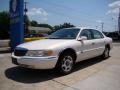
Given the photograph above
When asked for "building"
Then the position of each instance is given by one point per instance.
(38, 30)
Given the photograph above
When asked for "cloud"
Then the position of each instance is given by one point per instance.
(114, 9)
(38, 14)
(45, 19)
(99, 21)
(37, 11)
(115, 4)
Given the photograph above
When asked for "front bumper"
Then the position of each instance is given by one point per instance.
(35, 62)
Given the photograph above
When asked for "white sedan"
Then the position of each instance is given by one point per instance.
(63, 49)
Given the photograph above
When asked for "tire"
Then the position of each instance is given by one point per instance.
(65, 63)
(106, 53)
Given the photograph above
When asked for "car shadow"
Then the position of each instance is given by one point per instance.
(88, 62)
(25, 75)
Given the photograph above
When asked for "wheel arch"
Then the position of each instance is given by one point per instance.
(108, 46)
(68, 50)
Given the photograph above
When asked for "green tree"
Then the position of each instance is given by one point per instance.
(64, 25)
(46, 26)
(4, 25)
(34, 23)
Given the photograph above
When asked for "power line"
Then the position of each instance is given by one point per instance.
(65, 15)
(74, 10)
(69, 8)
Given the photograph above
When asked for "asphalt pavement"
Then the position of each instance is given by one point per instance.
(93, 74)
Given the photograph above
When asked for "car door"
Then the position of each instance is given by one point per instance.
(87, 46)
(99, 44)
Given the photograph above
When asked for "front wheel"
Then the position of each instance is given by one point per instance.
(65, 63)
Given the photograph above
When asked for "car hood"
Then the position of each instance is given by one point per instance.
(43, 44)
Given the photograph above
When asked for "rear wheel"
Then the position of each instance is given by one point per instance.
(106, 53)
(65, 63)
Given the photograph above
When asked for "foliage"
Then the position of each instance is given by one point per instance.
(64, 25)
(4, 25)
(46, 25)
(34, 23)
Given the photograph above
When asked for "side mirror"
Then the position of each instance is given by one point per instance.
(82, 38)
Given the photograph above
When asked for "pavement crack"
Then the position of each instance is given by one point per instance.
(64, 84)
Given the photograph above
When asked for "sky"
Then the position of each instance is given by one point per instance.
(85, 13)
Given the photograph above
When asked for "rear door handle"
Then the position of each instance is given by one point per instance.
(93, 43)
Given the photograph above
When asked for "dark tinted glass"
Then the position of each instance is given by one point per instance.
(87, 33)
(97, 34)
(65, 34)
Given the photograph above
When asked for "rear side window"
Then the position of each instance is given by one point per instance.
(97, 34)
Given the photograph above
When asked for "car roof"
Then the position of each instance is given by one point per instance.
(81, 28)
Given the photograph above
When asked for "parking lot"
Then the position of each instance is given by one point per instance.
(93, 74)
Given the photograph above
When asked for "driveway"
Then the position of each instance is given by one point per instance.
(93, 74)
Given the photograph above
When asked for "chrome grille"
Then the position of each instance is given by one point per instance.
(20, 52)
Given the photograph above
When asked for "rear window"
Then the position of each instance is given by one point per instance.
(97, 34)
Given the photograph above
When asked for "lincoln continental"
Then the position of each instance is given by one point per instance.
(62, 49)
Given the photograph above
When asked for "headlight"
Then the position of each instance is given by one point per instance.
(35, 53)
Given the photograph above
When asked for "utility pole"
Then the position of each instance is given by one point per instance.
(102, 26)
(25, 19)
(119, 22)
(96, 27)
(115, 27)
(119, 25)
(25, 9)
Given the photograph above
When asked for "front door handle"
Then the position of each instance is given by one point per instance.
(93, 43)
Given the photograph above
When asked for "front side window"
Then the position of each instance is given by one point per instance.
(87, 33)
(65, 34)
(97, 34)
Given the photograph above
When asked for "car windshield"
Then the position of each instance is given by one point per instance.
(64, 34)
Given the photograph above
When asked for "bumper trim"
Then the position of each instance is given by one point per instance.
(36, 62)
(14, 61)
